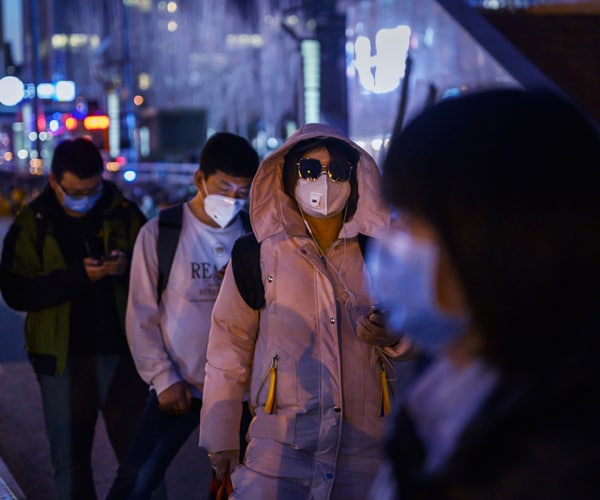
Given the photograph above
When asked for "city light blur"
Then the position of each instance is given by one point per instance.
(149, 81)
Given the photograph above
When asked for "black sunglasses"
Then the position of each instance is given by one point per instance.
(311, 168)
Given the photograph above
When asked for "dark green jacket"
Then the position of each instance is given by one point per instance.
(34, 277)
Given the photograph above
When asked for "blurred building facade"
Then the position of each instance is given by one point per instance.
(169, 73)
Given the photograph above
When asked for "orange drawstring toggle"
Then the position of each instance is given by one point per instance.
(385, 406)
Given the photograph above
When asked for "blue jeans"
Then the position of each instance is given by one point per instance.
(158, 438)
(72, 400)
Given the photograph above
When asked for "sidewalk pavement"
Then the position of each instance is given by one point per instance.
(9, 489)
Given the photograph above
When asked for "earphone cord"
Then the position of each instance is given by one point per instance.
(323, 260)
(350, 303)
(321, 252)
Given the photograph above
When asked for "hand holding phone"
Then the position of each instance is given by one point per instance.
(372, 329)
(115, 263)
(93, 268)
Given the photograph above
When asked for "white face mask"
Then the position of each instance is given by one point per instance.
(322, 197)
(222, 209)
(402, 270)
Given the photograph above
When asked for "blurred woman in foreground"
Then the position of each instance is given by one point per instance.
(497, 244)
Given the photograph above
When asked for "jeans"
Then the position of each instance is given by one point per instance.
(158, 438)
(71, 401)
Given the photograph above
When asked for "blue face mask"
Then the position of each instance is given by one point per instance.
(402, 270)
(81, 204)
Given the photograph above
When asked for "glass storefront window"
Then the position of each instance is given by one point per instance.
(444, 60)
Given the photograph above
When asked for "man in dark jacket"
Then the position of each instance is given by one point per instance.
(65, 261)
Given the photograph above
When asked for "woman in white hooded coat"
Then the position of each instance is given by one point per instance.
(320, 386)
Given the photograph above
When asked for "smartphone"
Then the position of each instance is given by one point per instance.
(377, 309)
(106, 258)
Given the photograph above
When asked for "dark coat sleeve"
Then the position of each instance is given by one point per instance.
(26, 290)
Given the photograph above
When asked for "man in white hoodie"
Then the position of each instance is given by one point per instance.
(168, 323)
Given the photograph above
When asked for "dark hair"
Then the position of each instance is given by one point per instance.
(229, 153)
(338, 150)
(79, 156)
(510, 180)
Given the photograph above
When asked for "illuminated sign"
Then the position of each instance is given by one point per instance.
(96, 122)
(382, 72)
(65, 91)
(114, 131)
(45, 91)
(142, 5)
(311, 65)
(70, 123)
(11, 90)
(62, 91)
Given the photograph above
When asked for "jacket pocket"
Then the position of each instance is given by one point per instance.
(47, 338)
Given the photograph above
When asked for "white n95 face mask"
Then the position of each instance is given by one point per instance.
(402, 270)
(222, 209)
(322, 197)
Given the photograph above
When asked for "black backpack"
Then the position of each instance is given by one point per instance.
(169, 229)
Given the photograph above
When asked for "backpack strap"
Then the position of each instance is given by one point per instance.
(169, 229)
(245, 218)
(245, 262)
(363, 241)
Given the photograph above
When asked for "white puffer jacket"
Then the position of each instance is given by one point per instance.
(326, 429)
